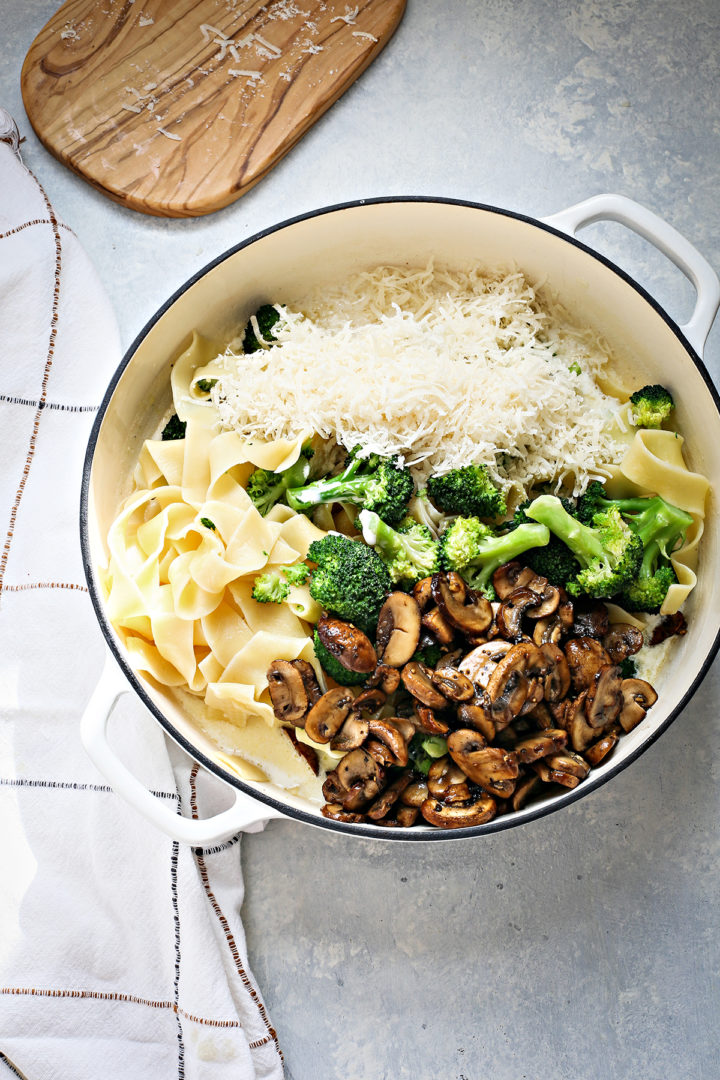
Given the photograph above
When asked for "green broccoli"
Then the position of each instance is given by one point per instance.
(428, 655)
(174, 429)
(375, 483)
(555, 561)
(267, 317)
(608, 551)
(410, 552)
(334, 668)
(350, 580)
(475, 551)
(467, 491)
(423, 749)
(628, 668)
(273, 586)
(660, 526)
(651, 405)
(267, 488)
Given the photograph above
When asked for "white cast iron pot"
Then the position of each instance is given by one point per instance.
(325, 246)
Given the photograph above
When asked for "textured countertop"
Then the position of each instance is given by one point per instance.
(584, 945)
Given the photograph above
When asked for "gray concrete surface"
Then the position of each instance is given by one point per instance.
(584, 946)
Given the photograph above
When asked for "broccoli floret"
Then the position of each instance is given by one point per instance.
(661, 528)
(609, 552)
(555, 561)
(273, 586)
(423, 749)
(267, 317)
(467, 491)
(375, 483)
(651, 405)
(428, 655)
(475, 551)
(266, 488)
(628, 668)
(334, 668)
(174, 429)
(205, 385)
(350, 580)
(410, 552)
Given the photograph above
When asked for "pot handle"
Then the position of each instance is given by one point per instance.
(243, 814)
(666, 239)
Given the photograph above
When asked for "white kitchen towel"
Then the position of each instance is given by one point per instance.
(122, 953)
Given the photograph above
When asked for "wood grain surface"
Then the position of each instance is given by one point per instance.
(177, 107)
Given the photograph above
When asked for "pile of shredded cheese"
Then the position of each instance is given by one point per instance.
(441, 368)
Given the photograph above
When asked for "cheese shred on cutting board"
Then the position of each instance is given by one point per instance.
(441, 368)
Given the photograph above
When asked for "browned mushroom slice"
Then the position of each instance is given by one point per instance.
(404, 725)
(600, 750)
(422, 591)
(381, 754)
(479, 664)
(559, 711)
(556, 683)
(548, 630)
(508, 685)
(511, 611)
(535, 695)
(526, 787)
(637, 697)
(622, 640)
(478, 714)
(511, 576)
(452, 684)
(328, 714)
(585, 657)
(566, 612)
(352, 734)
(332, 789)
(492, 767)
(416, 678)
(427, 722)
(436, 624)
(415, 794)
(567, 769)
(336, 813)
(540, 745)
(398, 629)
(309, 678)
(356, 767)
(382, 806)
(604, 697)
(287, 692)
(459, 815)
(540, 717)
(463, 608)
(404, 817)
(549, 603)
(387, 678)
(443, 776)
(389, 734)
(580, 732)
(303, 750)
(348, 645)
(370, 700)
(590, 619)
(668, 626)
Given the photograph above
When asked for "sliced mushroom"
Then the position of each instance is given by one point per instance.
(556, 683)
(463, 608)
(336, 813)
(370, 700)
(590, 619)
(585, 657)
(549, 603)
(417, 680)
(580, 732)
(309, 678)
(540, 717)
(436, 624)
(452, 684)
(328, 714)
(415, 794)
(303, 750)
(600, 750)
(404, 725)
(459, 815)
(422, 592)
(352, 734)
(479, 664)
(535, 694)
(477, 714)
(332, 789)
(548, 630)
(355, 767)
(443, 775)
(526, 786)
(287, 692)
(493, 768)
(398, 629)
(389, 734)
(540, 745)
(513, 607)
(511, 576)
(405, 816)
(508, 685)
(382, 806)
(348, 645)
(427, 722)
(604, 697)
(622, 640)
(637, 697)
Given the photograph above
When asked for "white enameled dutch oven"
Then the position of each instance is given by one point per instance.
(325, 246)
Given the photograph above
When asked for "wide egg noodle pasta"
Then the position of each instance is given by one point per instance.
(183, 556)
(655, 463)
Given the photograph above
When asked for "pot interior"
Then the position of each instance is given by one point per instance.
(321, 248)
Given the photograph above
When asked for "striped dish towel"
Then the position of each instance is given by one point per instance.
(122, 953)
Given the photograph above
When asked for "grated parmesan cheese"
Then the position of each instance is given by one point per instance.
(442, 368)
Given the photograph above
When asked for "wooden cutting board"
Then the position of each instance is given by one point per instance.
(177, 107)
